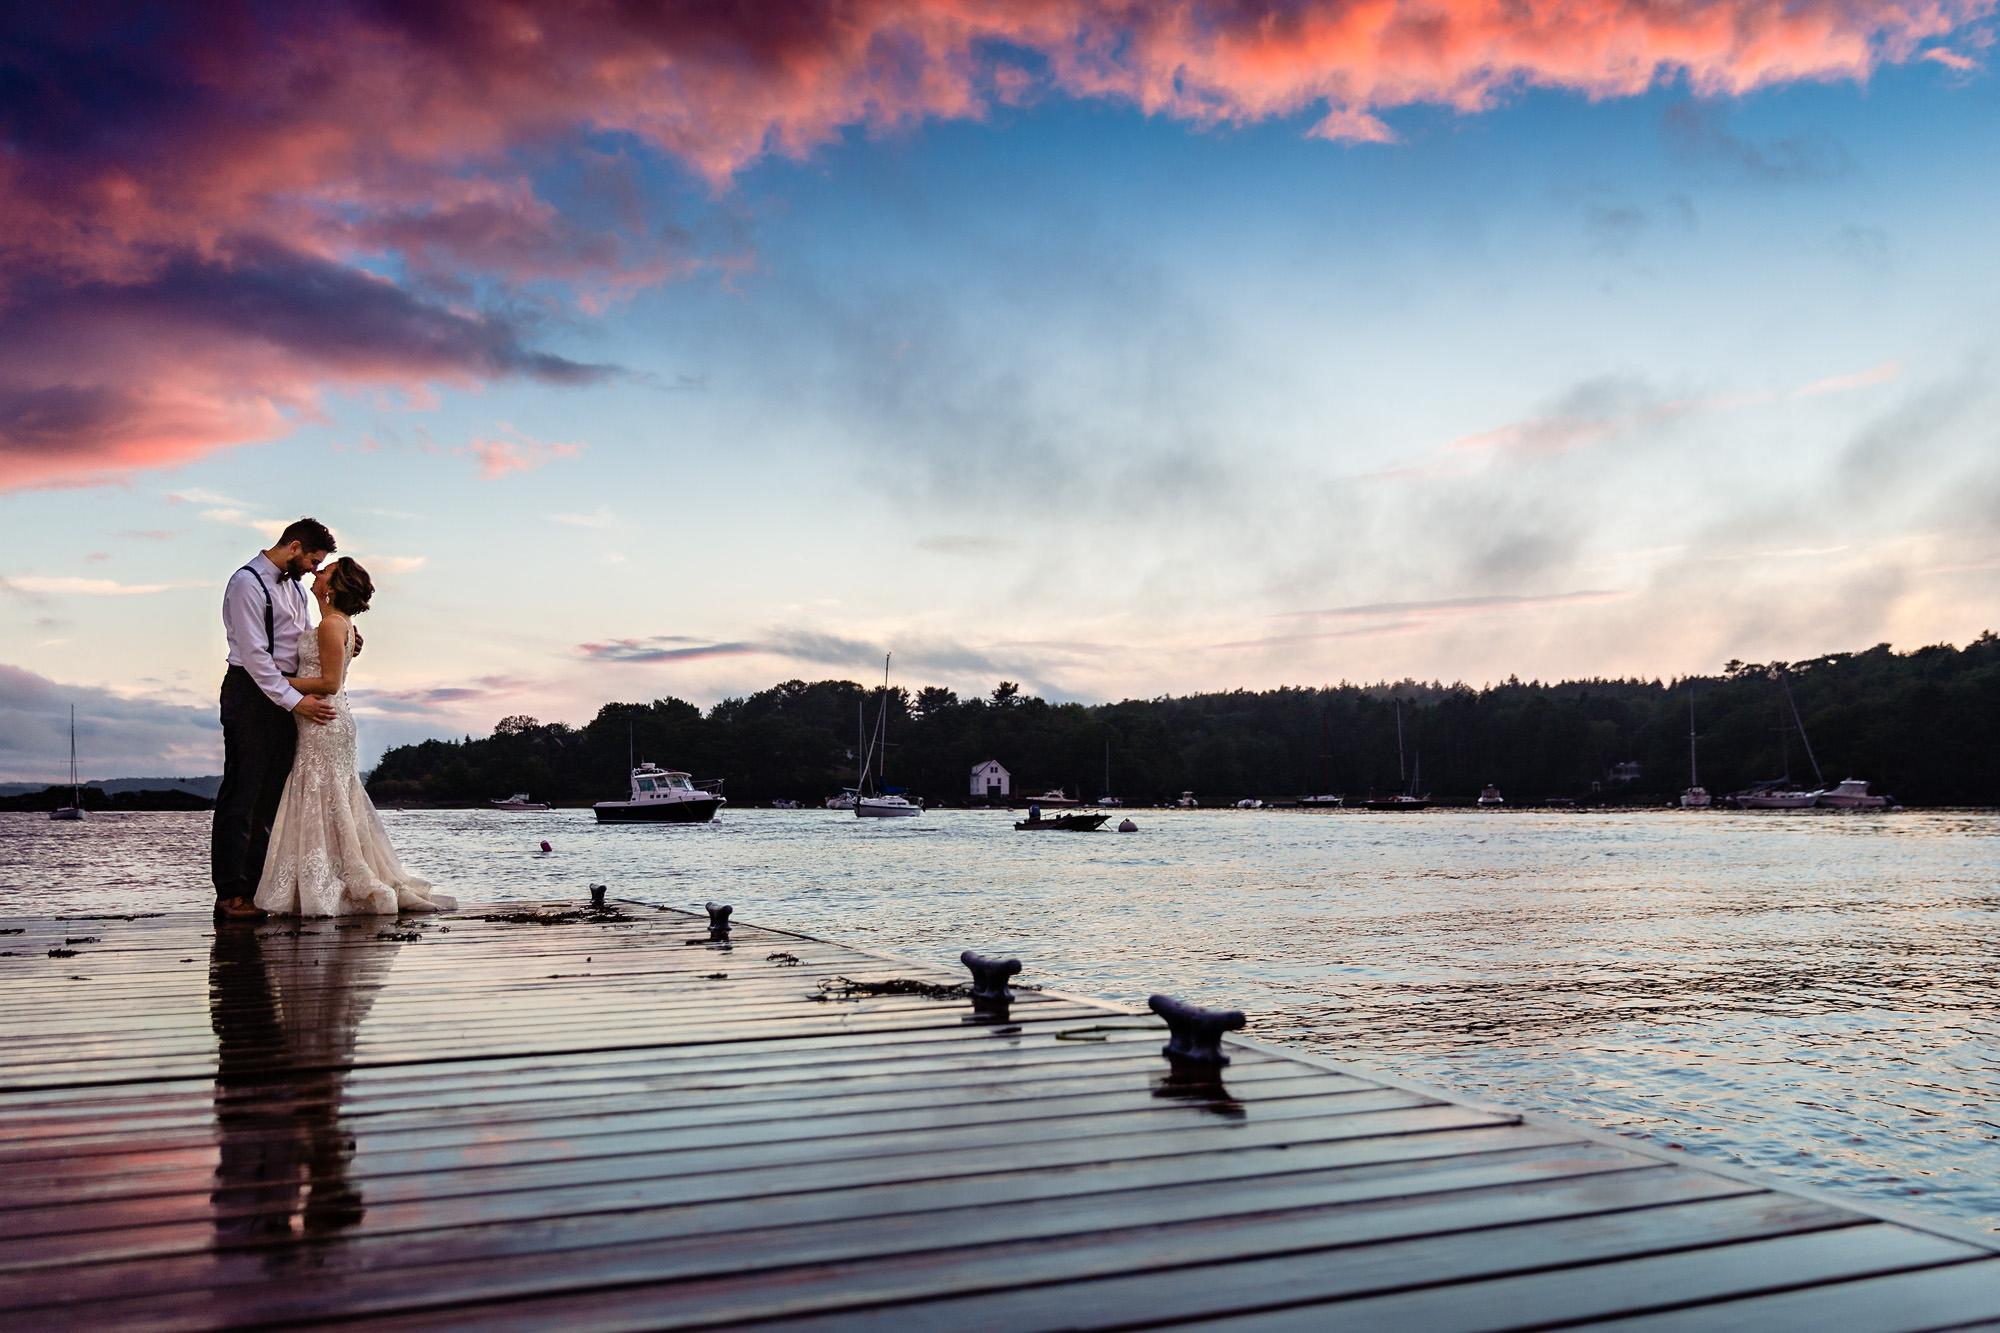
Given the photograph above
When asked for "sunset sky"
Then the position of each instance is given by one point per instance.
(1114, 349)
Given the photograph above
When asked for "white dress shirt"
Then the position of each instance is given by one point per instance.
(268, 662)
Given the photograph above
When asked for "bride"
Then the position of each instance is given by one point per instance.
(330, 855)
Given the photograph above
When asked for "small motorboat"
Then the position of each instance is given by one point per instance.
(661, 796)
(1490, 797)
(1696, 798)
(783, 804)
(1187, 801)
(1074, 822)
(1852, 794)
(519, 801)
(844, 801)
(1328, 801)
(1055, 796)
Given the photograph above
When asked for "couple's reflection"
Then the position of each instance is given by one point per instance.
(286, 1003)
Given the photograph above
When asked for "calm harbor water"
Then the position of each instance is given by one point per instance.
(1810, 996)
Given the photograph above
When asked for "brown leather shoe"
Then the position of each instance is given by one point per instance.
(239, 909)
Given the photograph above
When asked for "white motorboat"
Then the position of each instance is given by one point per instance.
(882, 801)
(844, 801)
(1249, 803)
(519, 801)
(1696, 798)
(1187, 801)
(74, 810)
(1489, 797)
(1852, 794)
(661, 796)
(1328, 801)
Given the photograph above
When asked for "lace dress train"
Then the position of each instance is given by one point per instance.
(330, 855)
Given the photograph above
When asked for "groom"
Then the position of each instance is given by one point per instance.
(263, 612)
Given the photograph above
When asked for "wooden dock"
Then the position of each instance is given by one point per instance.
(581, 1120)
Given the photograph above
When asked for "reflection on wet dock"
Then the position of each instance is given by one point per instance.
(569, 1118)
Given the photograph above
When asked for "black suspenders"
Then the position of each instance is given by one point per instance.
(270, 625)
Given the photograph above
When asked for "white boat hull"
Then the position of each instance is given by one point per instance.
(1695, 798)
(1786, 800)
(885, 807)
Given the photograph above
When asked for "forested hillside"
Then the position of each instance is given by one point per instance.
(1923, 725)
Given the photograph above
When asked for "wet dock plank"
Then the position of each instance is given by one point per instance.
(604, 1121)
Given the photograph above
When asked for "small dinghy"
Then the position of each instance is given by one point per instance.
(1070, 823)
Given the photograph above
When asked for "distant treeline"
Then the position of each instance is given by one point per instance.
(94, 798)
(1923, 726)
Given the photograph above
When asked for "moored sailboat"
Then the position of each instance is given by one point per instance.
(1407, 799)
(887, 802)
(74, 810)
(1696, 796)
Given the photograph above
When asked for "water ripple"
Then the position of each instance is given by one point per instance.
(1812, 997)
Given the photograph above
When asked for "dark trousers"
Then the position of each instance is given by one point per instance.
(258, 739)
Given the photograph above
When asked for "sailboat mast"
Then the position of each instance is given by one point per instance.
(75, 795)
(1402, 773)
(1325, 753)
(1784, 682)
(1694, 773)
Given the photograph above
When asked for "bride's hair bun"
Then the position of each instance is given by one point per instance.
(351, 587)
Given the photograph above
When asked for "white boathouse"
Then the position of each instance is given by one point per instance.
(992, 781)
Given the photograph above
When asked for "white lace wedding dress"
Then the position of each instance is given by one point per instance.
(330, 855)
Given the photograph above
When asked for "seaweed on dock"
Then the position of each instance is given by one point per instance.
(561, 916)
(846, 988)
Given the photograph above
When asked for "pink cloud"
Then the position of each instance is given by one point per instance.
(1950, 59)
(195, 201)
(503, 457)
(1860, 379)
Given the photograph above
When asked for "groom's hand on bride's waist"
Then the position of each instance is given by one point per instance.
(314, 708)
